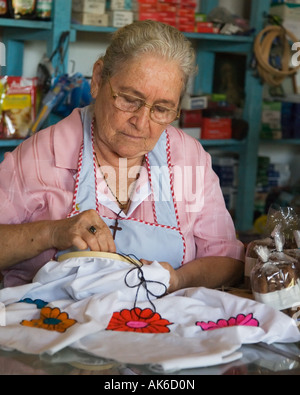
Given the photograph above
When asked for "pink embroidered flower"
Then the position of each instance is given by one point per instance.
(239, 320)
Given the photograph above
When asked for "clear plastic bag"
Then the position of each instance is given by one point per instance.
(275, 279)
(283, 219)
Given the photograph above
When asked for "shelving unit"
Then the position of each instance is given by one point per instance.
(15, 33)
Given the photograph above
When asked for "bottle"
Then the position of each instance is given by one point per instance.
(44, 9)
(4, 11)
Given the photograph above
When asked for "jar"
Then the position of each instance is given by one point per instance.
(23, 9)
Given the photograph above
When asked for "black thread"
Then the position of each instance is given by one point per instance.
(138, 266)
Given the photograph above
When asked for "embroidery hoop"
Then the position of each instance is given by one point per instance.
(97, 254)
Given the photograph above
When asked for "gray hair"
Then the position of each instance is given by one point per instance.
(149, 36)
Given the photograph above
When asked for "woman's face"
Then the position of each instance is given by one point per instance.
(131, 135)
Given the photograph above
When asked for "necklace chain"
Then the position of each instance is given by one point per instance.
(123, 206)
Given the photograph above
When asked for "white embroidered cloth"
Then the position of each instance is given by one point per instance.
(95, 304)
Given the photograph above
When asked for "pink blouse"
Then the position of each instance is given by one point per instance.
(37, 183)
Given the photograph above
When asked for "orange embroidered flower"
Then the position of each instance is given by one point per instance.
(51, 319)
(137, 320)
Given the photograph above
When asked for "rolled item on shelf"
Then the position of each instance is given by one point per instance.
(262, 49)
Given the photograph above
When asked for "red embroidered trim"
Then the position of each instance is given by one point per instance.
(152, 192)
(95, 167)
(74, 210)
(173, 193)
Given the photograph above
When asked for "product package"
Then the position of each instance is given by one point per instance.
(18, 106)
(251, 256)
(23, 9)
(4, 10)
(279, 219)
(44, 9)
(275, 279)
(67, 92)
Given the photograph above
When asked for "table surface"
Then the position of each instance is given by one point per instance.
(257, 359)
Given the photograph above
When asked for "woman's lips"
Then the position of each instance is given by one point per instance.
(130, 136)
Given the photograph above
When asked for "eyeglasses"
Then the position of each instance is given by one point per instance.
(129, 103)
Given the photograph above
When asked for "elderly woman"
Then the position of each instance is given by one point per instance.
(116, 177)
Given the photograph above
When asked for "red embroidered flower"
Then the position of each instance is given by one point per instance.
(241, 319)
(137, 320)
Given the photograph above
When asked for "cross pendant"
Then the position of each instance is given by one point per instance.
(115, 228)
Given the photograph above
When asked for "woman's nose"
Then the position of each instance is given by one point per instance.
(141, 118)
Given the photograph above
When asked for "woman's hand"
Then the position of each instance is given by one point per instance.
(74, 231)
(174, 275)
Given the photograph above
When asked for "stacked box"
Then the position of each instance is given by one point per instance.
(226, 169)
(206, 27)
(278, 175)
(262, 182)
(190, 118)
(120, 12)
(89, 12)
(296, 120)
(186, 16)
(194, 102)
(177, 13)
(287, 120)
(271, 120)
(271, 175)
(289, 14)
(216, 128)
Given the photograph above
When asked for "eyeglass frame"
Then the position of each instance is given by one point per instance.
(115, 94)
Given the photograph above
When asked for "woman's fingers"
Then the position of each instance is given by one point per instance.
(100, 238)
(85, 230)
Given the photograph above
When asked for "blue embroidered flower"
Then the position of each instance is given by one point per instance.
(38, 302)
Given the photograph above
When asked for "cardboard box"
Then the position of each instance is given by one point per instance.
(200, 28)
(163, 7)
(286, 11)
(147, 1)
(191, 118)
(216, 128)
(120, 18)
(142, 16)
(119, 5)
(194, 102)
(89, 6)
(84, 18)
(271, 120)
(290, 14)
(186, 27)
(200, 17)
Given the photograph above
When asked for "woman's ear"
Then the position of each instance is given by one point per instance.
(96, 78)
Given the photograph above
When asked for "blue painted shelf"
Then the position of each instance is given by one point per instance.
(8, 145)
(10, 142)
(281, 141)
(27, 24)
